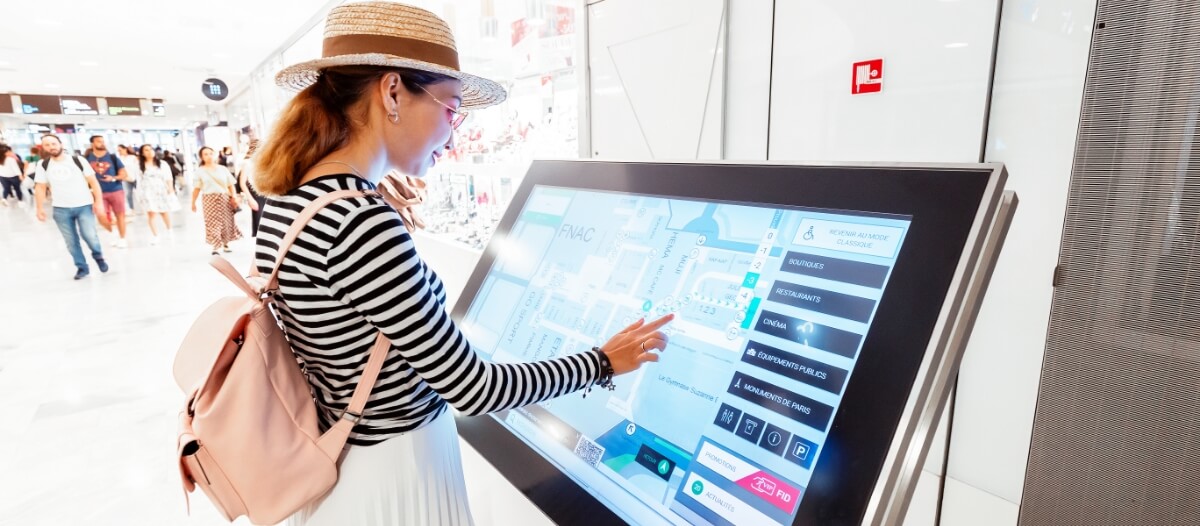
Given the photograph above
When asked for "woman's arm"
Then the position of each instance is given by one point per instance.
(373, 267)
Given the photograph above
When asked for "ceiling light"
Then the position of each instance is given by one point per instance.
(220, 55)
(47, 22)
(156, 88)
(89, 63)
(956, 45)
(53, 86)
(5, 63)
(191, 106)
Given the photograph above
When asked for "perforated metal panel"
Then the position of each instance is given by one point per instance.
(1116, 437)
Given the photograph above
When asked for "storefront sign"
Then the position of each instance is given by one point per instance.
(31, 104)
(215, 89)
(160, 109)
(79, 105)
(6, 105)
(118, 106)
(867, 77)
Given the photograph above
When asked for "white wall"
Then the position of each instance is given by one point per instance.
(1040, 67)
(657, 71)
(937, 67)
(748, 79)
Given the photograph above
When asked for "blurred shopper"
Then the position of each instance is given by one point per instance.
(130, 159)
(31, 162)
(110, 171)
(254, 200)
(226, 158)
(216, 184)
(156, 187)
(77, 201)
(11, 175)
(174, 164)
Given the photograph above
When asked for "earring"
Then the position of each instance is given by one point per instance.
(394, 117)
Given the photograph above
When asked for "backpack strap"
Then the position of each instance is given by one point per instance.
(78, 164)
(335, 438)
(305, 216)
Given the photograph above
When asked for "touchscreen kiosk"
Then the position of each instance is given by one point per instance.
(820, 312)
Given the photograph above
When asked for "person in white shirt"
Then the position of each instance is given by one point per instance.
(77, 201)
(10, 175)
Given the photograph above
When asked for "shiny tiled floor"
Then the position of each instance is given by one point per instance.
(87, 402)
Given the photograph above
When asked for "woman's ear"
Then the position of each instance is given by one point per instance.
(390, 91)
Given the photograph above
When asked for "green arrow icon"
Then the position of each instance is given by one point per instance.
(697, 488)
(664, 467)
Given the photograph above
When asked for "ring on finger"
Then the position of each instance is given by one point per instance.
(643, 346)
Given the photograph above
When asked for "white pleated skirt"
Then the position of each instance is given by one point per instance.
(413, 479)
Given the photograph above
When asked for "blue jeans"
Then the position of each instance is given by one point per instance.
(76, 222)
(129, 187)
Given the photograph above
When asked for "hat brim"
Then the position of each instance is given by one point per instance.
(477, 92)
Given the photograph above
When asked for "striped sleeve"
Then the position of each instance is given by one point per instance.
(374, 269)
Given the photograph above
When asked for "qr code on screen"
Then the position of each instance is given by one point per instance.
(589, 451)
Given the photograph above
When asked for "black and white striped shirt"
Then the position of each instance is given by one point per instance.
(354, 271)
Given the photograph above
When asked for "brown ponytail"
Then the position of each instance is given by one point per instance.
(319, 120)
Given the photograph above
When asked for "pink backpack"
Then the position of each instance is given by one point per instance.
(248, 435)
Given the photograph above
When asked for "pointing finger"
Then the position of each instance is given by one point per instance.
(655, 325)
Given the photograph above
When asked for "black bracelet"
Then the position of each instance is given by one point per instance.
(605, 381)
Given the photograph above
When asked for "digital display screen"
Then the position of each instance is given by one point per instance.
(31, 104)
(772, 308)
(124, 106)
(79, 105)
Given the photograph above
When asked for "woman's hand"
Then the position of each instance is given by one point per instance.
(193, 207)
(632, 347)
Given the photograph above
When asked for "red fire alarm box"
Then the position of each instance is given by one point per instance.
(867, 77)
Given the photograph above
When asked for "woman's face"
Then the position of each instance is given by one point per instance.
(206, 156)
(424, 131)
(147, 153)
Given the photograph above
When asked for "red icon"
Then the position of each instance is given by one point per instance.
(867, 77)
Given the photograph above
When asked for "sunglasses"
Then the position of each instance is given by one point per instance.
(456, 116)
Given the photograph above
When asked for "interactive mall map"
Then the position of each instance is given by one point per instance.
(772, 306)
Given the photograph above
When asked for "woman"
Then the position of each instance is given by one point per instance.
(216, 184)
(11, 175)
(367, 108)
(254, 200)
(130, 161)
(156, 190)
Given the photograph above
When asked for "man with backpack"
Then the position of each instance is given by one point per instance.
(110, 171)
(77, 201)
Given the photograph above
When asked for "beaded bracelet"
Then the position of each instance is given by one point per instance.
(606, 373)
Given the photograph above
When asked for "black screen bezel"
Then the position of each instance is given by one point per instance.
(943, 202)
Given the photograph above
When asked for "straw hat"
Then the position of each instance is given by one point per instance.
(389, 34)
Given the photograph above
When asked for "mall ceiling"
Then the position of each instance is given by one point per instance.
(144, 48)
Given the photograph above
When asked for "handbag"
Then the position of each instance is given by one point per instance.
(234, 204)
(249, 435)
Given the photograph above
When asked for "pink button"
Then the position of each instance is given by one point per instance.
(772, 490)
